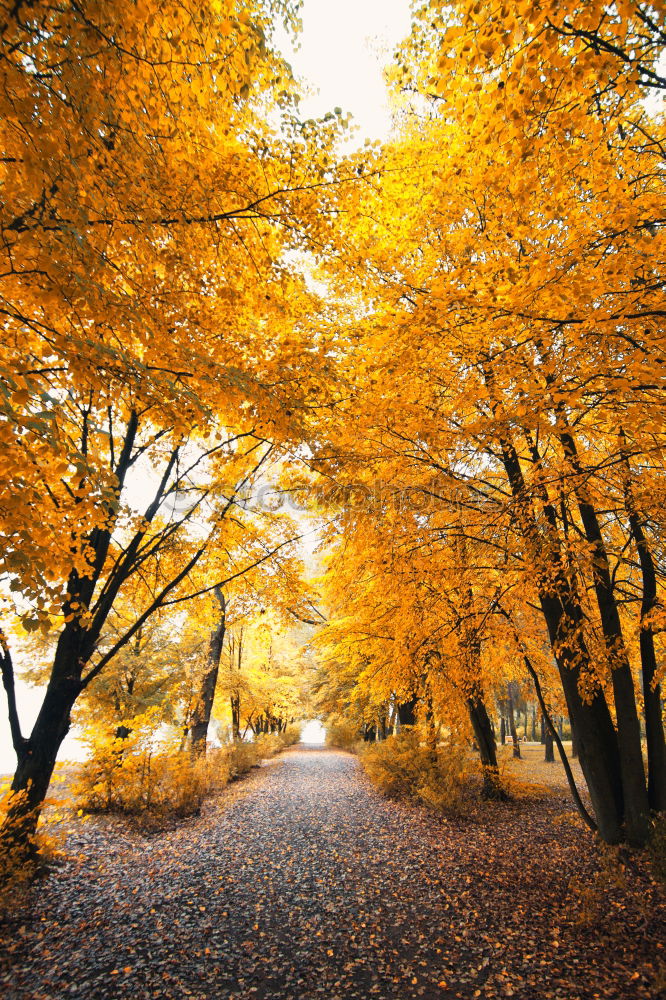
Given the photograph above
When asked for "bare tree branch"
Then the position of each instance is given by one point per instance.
(18, 740)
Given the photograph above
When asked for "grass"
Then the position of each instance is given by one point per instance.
(532, 769)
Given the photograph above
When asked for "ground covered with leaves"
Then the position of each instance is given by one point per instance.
(305, 883)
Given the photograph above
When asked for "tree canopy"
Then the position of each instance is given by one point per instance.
(451, 344)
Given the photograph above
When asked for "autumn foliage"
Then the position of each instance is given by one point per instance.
(476, 374)
(503, 392)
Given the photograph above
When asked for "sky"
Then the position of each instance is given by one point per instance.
(344, 45)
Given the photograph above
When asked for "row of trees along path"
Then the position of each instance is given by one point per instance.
(489, 338)
(308, 884)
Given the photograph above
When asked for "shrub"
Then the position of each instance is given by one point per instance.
(242, 757)
(268, 744)
(291, 735)
(396, 765)
(403, 766)
(344, 735)
(138, 774)
(182, 782)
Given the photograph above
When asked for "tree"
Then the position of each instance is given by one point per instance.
(206, 693)
(510, 333)
(275, 583)
(406, 629)
(151, 157)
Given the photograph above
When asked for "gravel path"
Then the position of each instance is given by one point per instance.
(309, 884)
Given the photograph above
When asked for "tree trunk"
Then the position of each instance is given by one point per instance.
(634, 787)
(654, 726)
(235, 715)
(598, 746)
(534, 735)
(38, 754)
(204, 707)
(547, 721)
(502, 730)
(407, 713)
(590, 719)
(431, 728)
(512, 720)
(549, 756)
(33, 776)
(485, 741)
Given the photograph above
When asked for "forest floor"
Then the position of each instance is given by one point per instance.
(301, 882)
(532, 768)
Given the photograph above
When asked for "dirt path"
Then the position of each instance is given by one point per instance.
(311, 885)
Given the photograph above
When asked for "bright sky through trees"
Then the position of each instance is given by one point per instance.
(344, 46)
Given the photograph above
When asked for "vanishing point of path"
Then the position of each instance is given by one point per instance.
(308, 884)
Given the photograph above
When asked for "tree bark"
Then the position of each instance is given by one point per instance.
(235, 715)
(512, 720)
(549, 755)
(204, 706)
(591, 720)
(634, 787)
(652, 711)
(38, 754)
(236, 660)
(485, 741)
(407, 712)
(599, 755)
(548, 723)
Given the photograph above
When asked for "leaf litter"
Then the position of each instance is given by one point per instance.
(306, 883)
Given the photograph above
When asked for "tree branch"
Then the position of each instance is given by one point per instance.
(18, 740)
(158, 602)
(575, 794)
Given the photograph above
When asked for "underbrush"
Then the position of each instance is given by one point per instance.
(403, 766)
(20, 865)
(142, 776)
(343, 735)
(291, 735)
(268, 744)
(132, 776)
